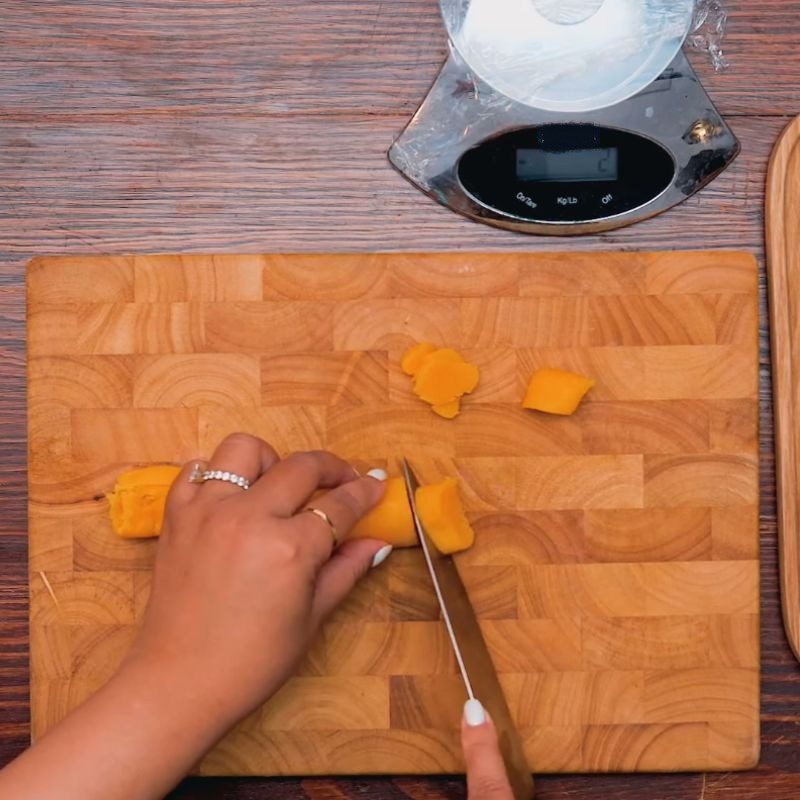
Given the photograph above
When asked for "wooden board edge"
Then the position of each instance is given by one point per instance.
(779, 285)
(632, 253)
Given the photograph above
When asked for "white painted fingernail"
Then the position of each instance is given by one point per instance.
(381, 555)
(474, 713)
(378, 474)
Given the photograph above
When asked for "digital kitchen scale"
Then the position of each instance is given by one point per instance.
(565, 117)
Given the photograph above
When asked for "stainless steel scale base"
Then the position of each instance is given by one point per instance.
(461, 111)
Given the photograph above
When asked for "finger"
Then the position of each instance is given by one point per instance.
(343, 506)
(183, 489)
(339, 576)
(289, 485)
(240, 454)
(486, 772)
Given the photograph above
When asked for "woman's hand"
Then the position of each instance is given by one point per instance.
(486, 772)
(243, 579)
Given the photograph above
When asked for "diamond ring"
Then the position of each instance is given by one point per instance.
(221, 475)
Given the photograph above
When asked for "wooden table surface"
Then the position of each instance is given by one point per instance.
(262, 126)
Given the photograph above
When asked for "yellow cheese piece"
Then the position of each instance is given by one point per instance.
(391, 520)
(556, 391)
(414, 357)
(441, 513)
(441, 377)
(136, 505)
(448, 410)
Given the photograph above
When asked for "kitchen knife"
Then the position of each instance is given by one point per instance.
(474, 662)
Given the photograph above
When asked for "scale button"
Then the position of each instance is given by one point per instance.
(606, 199)
(567, 200)
(528, 201)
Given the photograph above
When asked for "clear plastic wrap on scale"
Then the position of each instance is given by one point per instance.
(568, 55)
(579, 55)
(708, 30)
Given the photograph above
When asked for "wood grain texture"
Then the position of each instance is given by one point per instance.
(783, 208)
(625, 650)
(116, 143)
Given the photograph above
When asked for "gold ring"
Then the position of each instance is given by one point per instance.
(318, 512)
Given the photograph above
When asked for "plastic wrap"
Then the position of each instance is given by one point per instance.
(708, 30)
(579, 55)
(568, 55)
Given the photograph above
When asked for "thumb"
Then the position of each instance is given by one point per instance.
(486, 772)
(339, 575)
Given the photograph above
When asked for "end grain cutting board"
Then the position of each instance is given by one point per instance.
(616, 565)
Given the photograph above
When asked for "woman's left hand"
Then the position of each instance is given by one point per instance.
(243, 579)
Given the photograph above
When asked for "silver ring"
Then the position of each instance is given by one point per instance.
(227, 477)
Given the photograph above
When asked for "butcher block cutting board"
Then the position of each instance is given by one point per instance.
(616, 565)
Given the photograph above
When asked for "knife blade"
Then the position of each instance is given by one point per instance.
(474, 662)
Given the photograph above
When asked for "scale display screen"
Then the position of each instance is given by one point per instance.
(568, 166)
(566, 172)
